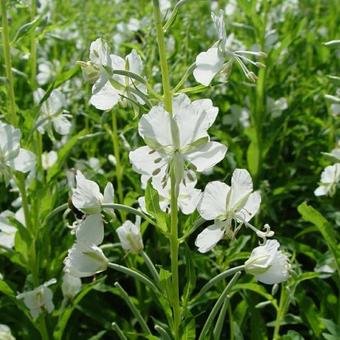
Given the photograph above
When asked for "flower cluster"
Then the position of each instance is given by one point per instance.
(107, 72)
(86, 258)
(213, 61)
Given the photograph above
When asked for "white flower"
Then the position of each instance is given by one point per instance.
(71, 286)
(211, 62)
(109, 89)
(223, 204)
(177, 138)
(330, 178)
(85, 260)
(11, 155)
(51, 112)
(48, 159)
(5, 333)
(7, 231)
(130, 236)
(39, 299)
(268, 264)
(87, 196)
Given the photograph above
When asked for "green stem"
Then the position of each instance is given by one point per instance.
(12, 115)
(129, 210)
(218, 278)
(151, 268)
(33, 58)
(280, 313)
(119, 170)
(142, 278)
(174, 242)
(124, 295)
(119, 331)
(162, 57)
(217, 306)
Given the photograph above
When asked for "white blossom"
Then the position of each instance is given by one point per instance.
(330, 177)
(5, 333)
(177, 139)
(85, 260)
(39, 299)
(211, 62)
(225, 204)
(108, 88)
(90, 230)
(71, 286)
(268, 264)
(11, 154)
(48, 159)
(7, 231)
(52, 112)
(130, 236)
(87, 196)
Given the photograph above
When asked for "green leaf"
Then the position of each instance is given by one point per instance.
(253, 154)
(26, 29)
(6, 289)
(310, 214)
(153, 208)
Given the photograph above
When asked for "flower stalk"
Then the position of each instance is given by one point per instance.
(12, 115)
(174, 242)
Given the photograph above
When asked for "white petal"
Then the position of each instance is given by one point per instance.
(87, 196)
(194, 120)
(241, 187)
(155, 127)
(99, 53)
(54, 103)
(208, 238)
(208, 64)
(207, 155)
(105, 98)
(135, 62)
(91, 230)
(84, 260)
(24, 162)
(48, 159)
(62, 125)
(9, 141)
(250, 208)
(146, 161)
(71, 286)
(188, 199)
(322, 190)
(108, 193)
(213, 203)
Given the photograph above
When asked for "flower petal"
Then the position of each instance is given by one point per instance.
(146, 161)
(91, 230)
(104, 98)
(208, 64)
(62, 125)
(241, 187)
(209, 237)
(24, 162)
(194, 120)
(207, 155)
(251, 207)
(213, 203)
(155, 127)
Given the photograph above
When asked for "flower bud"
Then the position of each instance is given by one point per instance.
(130, 236)
(268, 264)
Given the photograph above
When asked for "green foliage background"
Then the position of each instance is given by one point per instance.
(284, 155)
